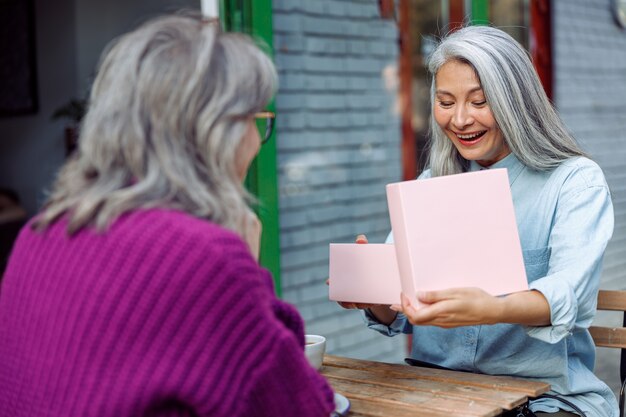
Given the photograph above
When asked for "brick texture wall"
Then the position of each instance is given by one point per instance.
(590, 87)
(338, 145)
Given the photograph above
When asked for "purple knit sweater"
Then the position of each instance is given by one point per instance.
(163, 315)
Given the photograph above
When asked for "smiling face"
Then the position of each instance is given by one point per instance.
(462, 112)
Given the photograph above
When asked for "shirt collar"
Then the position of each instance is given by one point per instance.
(510, 162)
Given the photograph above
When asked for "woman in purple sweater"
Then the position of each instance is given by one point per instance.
(136, 291)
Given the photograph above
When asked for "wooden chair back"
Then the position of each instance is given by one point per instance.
(613, 337)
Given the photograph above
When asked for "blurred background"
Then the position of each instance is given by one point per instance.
(352, 116)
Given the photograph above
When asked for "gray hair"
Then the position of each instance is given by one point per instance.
(167, 112)
(531, 127)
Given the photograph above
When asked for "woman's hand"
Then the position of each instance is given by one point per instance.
(452, 308)
(457, 307)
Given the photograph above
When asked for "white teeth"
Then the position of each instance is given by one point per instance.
(467, 137)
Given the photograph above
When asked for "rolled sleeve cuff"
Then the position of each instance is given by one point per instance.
(396, 327)
(563, 312)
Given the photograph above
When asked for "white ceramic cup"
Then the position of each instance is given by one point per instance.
(314, 348)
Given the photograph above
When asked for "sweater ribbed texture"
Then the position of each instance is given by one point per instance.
(163, 315)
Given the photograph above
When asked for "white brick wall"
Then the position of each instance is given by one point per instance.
(338, 145)
(590, 86)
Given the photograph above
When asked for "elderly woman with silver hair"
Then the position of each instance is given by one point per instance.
(490, 111)
(136, 291)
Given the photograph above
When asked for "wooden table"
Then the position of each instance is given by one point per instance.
(383, 389)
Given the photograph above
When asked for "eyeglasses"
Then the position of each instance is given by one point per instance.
(265, 123)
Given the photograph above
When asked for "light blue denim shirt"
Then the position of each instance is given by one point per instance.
(565, 220)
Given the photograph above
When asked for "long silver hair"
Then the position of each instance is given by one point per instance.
(167, 112)
(531, 127)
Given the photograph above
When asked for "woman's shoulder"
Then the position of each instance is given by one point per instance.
(581, 172)
(191, 241)
(176, 221)
(580, 162)
(177, 228)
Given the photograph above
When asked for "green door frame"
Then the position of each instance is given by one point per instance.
(480, 12)
(254, 17)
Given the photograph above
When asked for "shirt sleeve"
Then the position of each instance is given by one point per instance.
(582, 227)
(398, 326)
(283, 383)
(286, 385)
(246, 349)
